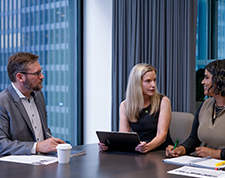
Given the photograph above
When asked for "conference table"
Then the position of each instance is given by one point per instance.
(95, 164)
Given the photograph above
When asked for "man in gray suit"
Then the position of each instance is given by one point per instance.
(23, 116)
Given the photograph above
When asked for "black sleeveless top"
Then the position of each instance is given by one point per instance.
(146, 126)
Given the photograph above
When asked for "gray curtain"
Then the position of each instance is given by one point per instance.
(161, 33)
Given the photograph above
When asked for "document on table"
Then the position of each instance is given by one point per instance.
(30, 159)
(194, 161)
(181, 160)
(46, 159)
(197, 172)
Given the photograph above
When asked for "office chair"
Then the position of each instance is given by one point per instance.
(181, 125)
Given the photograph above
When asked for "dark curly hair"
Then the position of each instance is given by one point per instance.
(217, 69)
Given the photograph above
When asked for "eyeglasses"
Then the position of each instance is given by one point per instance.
(36, 73)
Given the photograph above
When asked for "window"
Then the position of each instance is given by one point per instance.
(210, 38)
(44, 31)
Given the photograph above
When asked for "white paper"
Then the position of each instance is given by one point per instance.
(209, 163)
(194, 161)
(30, 159)
(197, 172)
(181, 160)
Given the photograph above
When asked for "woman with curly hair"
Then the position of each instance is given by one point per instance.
(209, 124)
(145, 110)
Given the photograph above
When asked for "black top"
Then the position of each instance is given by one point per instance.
(146, 126)
(193, 141)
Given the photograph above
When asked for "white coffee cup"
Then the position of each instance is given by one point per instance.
(63, 152)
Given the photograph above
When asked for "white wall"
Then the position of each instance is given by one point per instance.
(97, 67)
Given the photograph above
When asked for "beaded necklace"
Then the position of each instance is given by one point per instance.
(217, 110)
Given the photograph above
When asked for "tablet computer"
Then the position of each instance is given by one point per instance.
(119, 141)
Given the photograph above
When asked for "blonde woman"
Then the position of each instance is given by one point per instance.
(145, 111)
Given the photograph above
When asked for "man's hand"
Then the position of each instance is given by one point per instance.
(48, 145)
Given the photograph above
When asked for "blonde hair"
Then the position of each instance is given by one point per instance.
(134, 93)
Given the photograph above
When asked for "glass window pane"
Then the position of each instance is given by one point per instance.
(14, 40)
(10, 22)
(46, 16)
(37, 37)
(10, 4)
(36, 18)
(27, 39)
(2, 23)
(42, 17)
(62, 36)
(19, 20)
(14, 21)
(2, 5)
(19, 39)
(31, 38)
(6, 5)
(62, 14)
(51, 15)
(51, 36)
(32, 19)
(34, 31)
(57, 36)
(19, 4)
(42, 38)
(10, 41)
(23, 21)
(14, 4)
(23, 3)
(6, 41)
(6, 22)
(46, 37)
(2, 42)
(57, 15)
(210, 37)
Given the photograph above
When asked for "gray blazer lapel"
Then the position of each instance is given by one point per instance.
(20, 106)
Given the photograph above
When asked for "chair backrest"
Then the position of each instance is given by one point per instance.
(181, 125)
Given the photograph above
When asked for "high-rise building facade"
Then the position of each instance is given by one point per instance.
(42, 27)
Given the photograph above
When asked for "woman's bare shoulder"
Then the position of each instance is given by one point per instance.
(123, 103)
(165, 99)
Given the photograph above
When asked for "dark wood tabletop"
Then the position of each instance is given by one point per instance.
(95, 164)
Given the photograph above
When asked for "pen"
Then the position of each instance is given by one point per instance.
(202, 144)
(176, 143)
(220, 163)
(49, 135)
(220, 169)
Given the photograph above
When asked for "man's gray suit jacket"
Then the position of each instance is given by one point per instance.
(16, 132)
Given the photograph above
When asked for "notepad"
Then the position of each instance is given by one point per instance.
(30, 159)
(45, 159)
(197, 172)
(194, 161)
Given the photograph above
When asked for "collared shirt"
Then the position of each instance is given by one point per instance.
(34, 117)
